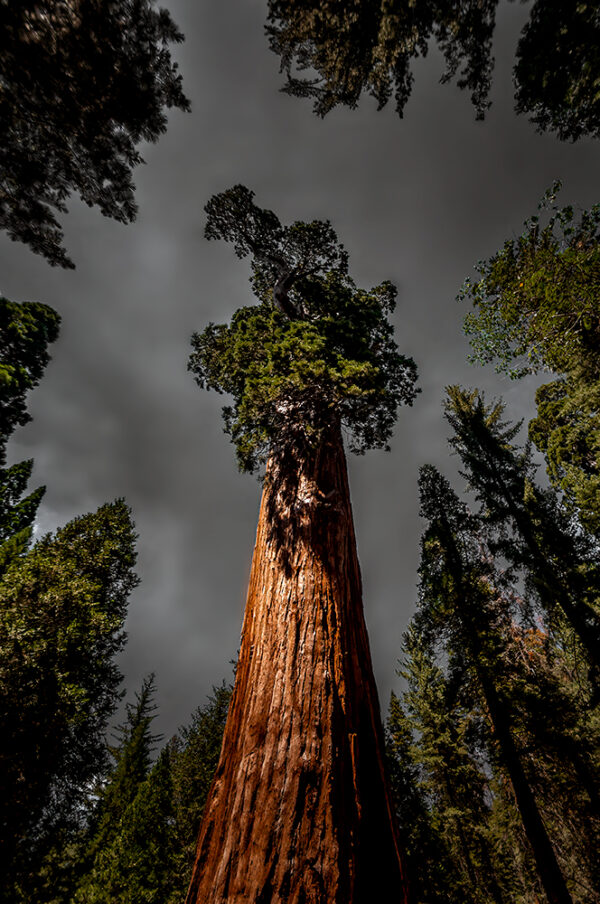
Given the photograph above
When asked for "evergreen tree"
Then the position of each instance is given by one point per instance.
(132, 762)
(139, 863)
(140, 842)
(369, 46)
(82, 84)
(524, 523)
(129, 853)
(26, 330)
(194, 756)
(442, 804)
(300, 808)
(536, 308)
(315, 351)
(461, 601)
(62, 607)
(558, 67)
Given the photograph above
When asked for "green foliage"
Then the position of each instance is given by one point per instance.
(439, 787)
(468, 607)
(526, 524)
(132, 760)
(369, 46)
(82, 84)
(16, 514)
(25, 333)
(315, 351)
(138, 864)
(536, 302)
(140, 842)
(62, 607)
(536, 306)
(501, 709)
(194, 753)
(26, 330)
(567, 430)
(130, 851)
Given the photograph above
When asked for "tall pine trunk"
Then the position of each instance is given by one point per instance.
(300, 810)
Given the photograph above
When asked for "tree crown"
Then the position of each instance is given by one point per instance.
(315, 351)
(82, 83)
(368, 46)
(536, 304)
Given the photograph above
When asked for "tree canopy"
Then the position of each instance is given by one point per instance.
(536, 301)
(536, 308)
(369, 46)
(82, 84)
(62, 608)
(314, 350)
(26, 330)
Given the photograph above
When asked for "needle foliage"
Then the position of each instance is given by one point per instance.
(315, 350)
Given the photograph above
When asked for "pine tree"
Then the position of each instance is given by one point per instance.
(536, 309)
(130, 848)
(26, 330)
(461, 600)
(300, 807)
(526, 524)
(62, 608)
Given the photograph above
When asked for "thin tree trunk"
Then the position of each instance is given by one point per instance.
(547, 864)
(300, 811)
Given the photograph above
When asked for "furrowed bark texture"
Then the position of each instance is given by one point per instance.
(300, 811)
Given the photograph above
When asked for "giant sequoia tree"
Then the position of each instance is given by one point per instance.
(300, 808)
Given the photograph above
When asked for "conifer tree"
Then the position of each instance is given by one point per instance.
(132, 761)
(524, 523)
(535, 308)
(82, 84)
(332, 52)
(194, 756)
(300, 808)
(138, 865)
(62, 608)
(450, 855)
(461, 600)
(26, 330)
(129, 853)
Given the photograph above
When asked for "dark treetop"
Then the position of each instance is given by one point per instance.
(369, 45)
(315, 350)
(82, 83)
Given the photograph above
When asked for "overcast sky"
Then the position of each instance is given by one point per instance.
(418, 201)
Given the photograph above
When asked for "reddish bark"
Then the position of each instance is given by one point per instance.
(300, 810)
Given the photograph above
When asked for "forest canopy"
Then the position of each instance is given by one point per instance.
(369, 47)
(82, 84)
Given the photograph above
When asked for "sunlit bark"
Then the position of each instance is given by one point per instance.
(300, 810)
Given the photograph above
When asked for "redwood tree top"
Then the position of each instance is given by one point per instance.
(314, 350)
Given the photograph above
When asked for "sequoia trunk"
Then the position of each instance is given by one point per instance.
(300, 810)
